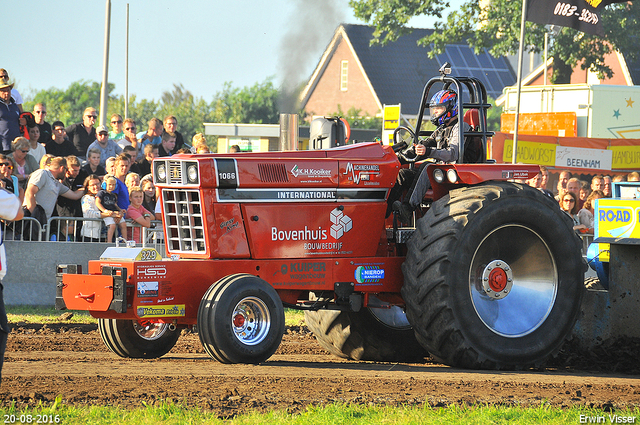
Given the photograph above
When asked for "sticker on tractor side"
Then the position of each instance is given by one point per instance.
(162, 311)
(515, 174)
(368, 274)
(151, 271)
(147, 289)
(148, 254)
(362, 173)
(316, 241)
(310, 173)
(229, 225)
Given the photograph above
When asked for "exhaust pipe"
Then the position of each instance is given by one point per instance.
(288, 132)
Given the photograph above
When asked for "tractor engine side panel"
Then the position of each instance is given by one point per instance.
(313, 229)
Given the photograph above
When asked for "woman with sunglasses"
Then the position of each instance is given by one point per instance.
(23, 163)
(83, 133)
(7, 179)
(569, 204)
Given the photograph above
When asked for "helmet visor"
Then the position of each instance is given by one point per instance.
(437, 111)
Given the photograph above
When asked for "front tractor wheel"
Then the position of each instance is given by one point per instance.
(241, 320)
(138, 339)
(493, 277)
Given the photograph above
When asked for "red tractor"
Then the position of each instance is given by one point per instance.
(490, 277)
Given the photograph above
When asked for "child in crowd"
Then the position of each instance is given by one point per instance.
(93, 163)
(106, 201)
(91, 230)
(110, 166)
(138, 213)
(132, 180)
(149, 191)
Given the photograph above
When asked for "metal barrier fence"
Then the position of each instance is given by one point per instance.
(68, 229)
(27, 229)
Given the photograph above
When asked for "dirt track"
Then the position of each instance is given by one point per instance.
(71, 360)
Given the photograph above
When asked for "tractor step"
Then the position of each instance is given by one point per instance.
(402, 235)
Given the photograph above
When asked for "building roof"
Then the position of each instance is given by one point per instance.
(633, 66)
(398, 71)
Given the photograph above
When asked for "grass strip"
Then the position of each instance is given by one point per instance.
(338, 414)
(43, 314)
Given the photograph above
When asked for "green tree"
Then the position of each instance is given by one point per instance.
(356, 119)
(68, 105)
(497, 28)
(257, 104)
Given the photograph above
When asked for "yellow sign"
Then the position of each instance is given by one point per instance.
(148, 254)
(161, 311)
(391, 117)
(625, 157)
(616, 218)
(531, 153)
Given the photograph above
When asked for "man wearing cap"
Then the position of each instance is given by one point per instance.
(14, 93)
(9, 116)
(108, 148)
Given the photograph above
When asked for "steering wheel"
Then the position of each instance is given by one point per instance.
(406, 152)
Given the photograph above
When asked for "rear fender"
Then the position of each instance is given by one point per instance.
(471, 174)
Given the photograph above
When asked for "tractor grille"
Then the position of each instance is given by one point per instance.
(273, 173)
(175, 172)
(184, 221)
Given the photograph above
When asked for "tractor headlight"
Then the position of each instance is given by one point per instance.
(192, 173)
(161, 172)
(452, 176)
(438, 175)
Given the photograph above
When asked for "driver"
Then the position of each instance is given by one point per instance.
(442, 145)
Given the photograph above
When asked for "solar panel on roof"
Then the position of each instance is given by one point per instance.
(493, 72)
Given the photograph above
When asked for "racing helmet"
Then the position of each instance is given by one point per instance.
(443, 106)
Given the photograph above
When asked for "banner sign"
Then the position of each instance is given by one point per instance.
(595, 159)
(582, 15)
(531, 153)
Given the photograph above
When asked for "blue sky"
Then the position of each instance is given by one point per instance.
(200, 44)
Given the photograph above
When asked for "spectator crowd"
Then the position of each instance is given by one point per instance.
(81, 170)
(576, 197)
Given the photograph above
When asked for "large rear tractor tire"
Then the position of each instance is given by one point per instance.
(137, 339)
(241, 320)
(493, 277)
(382, 335)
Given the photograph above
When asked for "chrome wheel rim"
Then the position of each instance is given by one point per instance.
(149, 330)
(513, 281)
(251, 321)
(393, 317)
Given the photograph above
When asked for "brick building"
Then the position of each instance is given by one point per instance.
(351, 73)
